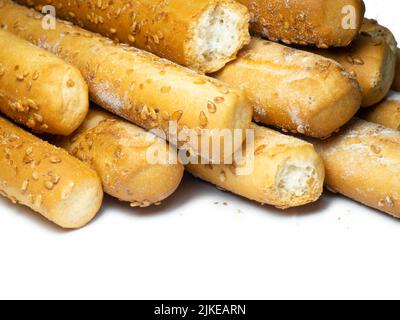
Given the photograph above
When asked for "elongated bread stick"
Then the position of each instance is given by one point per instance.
(396, 82)
(326, 23)
(287, 171)
(118, 151)
(202, 34)
(134, 84)
(292, 89)
(38, 89)
(387, 114)
(47, 179)
(363, 163)
(371, 59)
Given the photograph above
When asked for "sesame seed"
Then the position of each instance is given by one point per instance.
(48, 185)
(35, 176)
(222, 176)
(55, 160)
(219, 100)
(212, 108)
(70, 83)
(203, 119)
(20, 77)
(29, 151)
(35, 75)
(24, 186)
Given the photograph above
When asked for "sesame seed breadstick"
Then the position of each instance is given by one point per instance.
(371, 59)
(39, 89)
(287, 171)
(386, 113)
(292, 89)
(134, 84)
(117, 151)
(363, 163)
(47, 179)
(396, 82)
(324, 23)
(202, 34)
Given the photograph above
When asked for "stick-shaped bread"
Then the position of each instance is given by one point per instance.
(39, 89)
(363, 163)
(386, 113)
(396, 82)
(371, 59)
(134, 84)
(47, 179)
(324, 23)
(119, 152)
(292, 89)
(201, 34)
(287, 171)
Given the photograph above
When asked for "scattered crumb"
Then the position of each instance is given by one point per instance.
(225, 203)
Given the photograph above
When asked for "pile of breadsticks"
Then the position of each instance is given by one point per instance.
(306, 71)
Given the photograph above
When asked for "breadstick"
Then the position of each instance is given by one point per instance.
(117, 151)
(134, 84)
(371, 59)
(387, 114)
(292, 89)
(38, 89)
(363, 163)
(327, 23)
(287, 171)
(47, 179)
(202, 34)
(396, 82)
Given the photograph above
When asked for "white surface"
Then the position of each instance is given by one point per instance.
(193, 248)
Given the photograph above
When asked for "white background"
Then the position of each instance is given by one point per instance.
(192, 248)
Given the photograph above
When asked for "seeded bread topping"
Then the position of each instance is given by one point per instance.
(27, 75)
(370, 59)
(134, 84)
(203, 34)
(287, 171)
(47, 179)
(117, 151)
(326, 23)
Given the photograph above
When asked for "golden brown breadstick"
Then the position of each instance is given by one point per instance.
(202, 34)
(287, 171)
(371, 59)
(38, 89)
(117, 151)
(47, 179)
(134, 84)
(387, 114)
(292, 89)
(327, 23)
(363, 163)
(396, 82)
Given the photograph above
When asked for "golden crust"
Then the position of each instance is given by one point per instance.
(387, 114)
(371, 59)
(273, 154)
(134, 84)
(295, 90)
(363, 163)
(305, 22)
(47, 179)
(117, 151)
(161, 27)
(27, 75)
